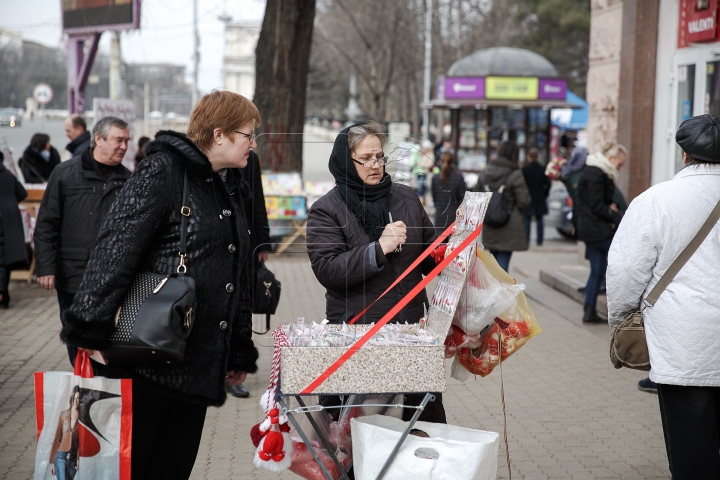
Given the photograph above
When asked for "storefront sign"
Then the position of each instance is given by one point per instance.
(511, 88)
(552, 89)
(465, 87)
(697, 21)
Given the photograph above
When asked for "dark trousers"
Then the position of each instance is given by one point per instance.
(597, 254)
(540, 224)
(65, 301)
(691, 424)
(166, 435)
(503, 259)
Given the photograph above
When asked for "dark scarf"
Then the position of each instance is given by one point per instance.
(367, 202)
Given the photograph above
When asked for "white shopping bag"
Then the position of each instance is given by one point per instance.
(84, 424)
(451, 453)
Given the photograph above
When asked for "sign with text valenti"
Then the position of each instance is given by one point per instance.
(505, 88)
(697, 21)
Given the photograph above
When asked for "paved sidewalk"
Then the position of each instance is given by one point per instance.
(570, 414)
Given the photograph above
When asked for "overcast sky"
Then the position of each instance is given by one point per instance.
(166, 33)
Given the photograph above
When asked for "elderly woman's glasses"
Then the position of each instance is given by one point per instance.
(250, 137)
(378, 162)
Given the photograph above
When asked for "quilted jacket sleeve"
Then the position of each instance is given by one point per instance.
(135, 218)
(334, 265)
(47, 228)
(632, 257)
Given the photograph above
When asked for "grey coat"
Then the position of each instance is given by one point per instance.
(511, 237)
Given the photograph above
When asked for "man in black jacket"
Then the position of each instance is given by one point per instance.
(76, 131)
(258, 251)
(78, 196)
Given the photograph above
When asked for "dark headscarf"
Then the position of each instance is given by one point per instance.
(367, 202)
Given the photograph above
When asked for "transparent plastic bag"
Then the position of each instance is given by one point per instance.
(510, 331)
(488, 292)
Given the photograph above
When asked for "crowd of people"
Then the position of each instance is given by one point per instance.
(99, 224)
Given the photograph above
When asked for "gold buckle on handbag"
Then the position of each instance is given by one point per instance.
(185, 211)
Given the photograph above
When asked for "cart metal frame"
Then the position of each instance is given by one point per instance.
(303, 409)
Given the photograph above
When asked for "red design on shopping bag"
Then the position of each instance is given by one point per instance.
(39, 411)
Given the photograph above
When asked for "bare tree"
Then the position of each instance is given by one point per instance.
(283, 55)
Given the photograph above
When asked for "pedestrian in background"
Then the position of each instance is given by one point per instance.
(504, 173)
(3, 271)
(421, 168)
(142, 231)
(11, 193)
(76, 131)
(598, 217)
(39, 159)
(448, 191)
(539, 188)
(253, 198)
(140, 155)
(75, 203)
(682, 329)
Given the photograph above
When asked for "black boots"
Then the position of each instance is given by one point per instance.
(591, 315)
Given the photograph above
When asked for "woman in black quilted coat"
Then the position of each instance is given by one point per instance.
(142, 232)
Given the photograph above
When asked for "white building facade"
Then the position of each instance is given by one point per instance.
(239, 62)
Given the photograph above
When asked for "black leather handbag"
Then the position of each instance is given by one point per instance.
(266, 294)
(157, 314)
(498, 210)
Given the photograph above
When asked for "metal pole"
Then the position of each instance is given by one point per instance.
(428, 64)
(196, 55)
(115, 67)
(146, 109)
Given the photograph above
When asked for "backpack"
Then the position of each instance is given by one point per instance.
(498, 211)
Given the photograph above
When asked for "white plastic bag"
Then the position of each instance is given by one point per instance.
(450, 453)
(483, 298)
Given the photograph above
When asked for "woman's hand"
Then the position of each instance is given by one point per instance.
(235, 377)
(394, 234)
(52, 470)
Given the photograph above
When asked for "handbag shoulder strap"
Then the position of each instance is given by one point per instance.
(184, 214)
(682, 259)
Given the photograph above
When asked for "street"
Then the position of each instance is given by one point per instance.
(570, 414)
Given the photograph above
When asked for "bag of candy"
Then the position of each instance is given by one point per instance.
(488, 292)
(510, 331)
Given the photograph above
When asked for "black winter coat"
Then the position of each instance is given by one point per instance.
(34, 167)
(3, 270)
(142, 232)
(12, 192)
(595, 220)
(354, 270)
(539, 186)
(79, 145)
(256, 213)
(447, 197)
(73, 208)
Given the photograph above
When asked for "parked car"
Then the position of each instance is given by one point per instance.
(10, 117)
(560, 207)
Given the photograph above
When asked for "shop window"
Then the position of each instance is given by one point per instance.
(686, 93)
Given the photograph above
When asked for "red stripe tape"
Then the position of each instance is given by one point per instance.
(126, 417)
(39, 403)
(388, 316)
(417, 262)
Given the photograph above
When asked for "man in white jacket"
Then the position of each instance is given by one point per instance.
(683, 328)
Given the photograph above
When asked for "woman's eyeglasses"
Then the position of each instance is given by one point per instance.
(378, 162)
(250, 137)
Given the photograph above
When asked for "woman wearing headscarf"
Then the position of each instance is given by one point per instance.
(365, 233)
(39, 159)
(598, 217)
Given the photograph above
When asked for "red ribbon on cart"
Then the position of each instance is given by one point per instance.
(412, 267)
(394, 311)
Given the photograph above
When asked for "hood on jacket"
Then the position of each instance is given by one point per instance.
(498, 169)
(182, 148)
